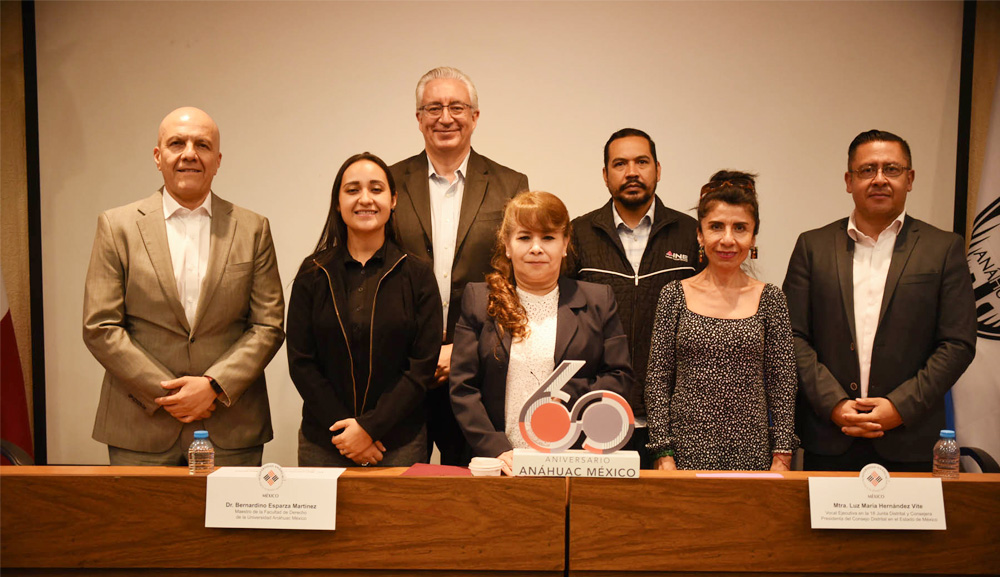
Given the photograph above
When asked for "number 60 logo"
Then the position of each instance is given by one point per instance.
(549, 426)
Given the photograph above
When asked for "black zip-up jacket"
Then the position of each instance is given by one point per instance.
(671, 254)
(406, 331)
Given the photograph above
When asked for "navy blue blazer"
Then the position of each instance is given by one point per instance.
(587, 329)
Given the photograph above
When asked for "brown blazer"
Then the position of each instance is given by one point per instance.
(488, 187)
(135, 326)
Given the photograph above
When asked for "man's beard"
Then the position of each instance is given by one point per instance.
(632, 199)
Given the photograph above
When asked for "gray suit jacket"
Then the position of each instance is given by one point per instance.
(925, 339)
(488, 187)
(134, 324)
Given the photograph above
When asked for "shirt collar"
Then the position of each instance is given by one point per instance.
(377, 258)
(171, 206)
(856, 235)
(460, 171)
(646, 218)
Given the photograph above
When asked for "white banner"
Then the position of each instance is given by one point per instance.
(976, 396)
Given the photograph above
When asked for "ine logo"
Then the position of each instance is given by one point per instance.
(270, 477)
(874, 477)
(984, 263)
(549, 426)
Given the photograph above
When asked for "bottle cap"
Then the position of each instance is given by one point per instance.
(204, 434)
(945, 434)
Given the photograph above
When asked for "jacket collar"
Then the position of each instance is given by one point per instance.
(153, 230)
(906, 240)
(476, 187)
(571, 301)
(604, 221)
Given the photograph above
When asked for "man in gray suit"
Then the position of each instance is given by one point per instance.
(884, 321)
(450, 204)
(183, 308)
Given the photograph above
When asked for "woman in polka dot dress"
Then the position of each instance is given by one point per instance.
(720, 389)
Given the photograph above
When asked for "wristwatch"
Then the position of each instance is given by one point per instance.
(215, 385)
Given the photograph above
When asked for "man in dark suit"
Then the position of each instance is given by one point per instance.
(884, 321)
(449, 205)
(183, 308)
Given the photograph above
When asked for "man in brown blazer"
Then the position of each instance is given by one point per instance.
(183, 308)
(450, 204)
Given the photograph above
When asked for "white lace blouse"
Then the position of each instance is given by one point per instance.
(531, 359)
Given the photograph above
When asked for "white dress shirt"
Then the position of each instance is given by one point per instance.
(446, 208)
(634, 240)
(871, 267)
(189, 235)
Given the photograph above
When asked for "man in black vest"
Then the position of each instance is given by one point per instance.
(635, 244)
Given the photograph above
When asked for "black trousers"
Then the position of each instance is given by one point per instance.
(638, 443)
(861, 453)
(443, 429)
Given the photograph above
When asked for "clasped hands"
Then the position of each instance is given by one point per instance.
(188, 399)
(868, 417)
(355, 443)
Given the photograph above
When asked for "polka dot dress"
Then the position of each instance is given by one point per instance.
(721, 392)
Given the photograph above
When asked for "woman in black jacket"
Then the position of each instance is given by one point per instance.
(518, 326)
(364, 331)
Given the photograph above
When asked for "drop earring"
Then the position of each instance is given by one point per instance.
(701, 254)
(753, 252)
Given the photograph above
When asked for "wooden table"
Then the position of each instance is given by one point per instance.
(105, 518)
(675, 522)
(108, 521)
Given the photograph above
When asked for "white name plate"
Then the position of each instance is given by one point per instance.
(576, 463)
(874, 501)
(271, 497)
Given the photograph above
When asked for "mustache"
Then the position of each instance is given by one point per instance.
(633, 180)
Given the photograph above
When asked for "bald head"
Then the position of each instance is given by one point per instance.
(187, 154)
(191, 116)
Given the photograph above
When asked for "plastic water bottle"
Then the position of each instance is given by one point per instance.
(946, 455)
(201, 455)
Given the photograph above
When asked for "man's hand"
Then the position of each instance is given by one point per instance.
(443, 370)
(866, 417)
(192, 398)
(353, 440)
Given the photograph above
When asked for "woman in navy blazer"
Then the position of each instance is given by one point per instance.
(526, 319)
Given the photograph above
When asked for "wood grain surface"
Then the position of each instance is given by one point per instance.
(104, 517)
(679, 523)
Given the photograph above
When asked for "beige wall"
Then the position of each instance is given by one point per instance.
(986, 65)
(776, 87)
(14, 188)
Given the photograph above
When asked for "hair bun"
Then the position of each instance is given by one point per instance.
(730, 179)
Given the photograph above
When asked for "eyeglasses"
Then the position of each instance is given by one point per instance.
(870, 171)
(455, 109)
